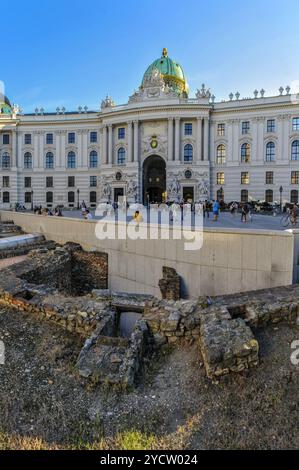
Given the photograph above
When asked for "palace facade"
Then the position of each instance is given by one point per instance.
(160, 146)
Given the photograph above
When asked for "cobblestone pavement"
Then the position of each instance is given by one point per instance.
(4, 263)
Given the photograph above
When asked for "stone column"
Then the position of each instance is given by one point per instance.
(280, 142)
(254, 149)
(206, 139)
(85, 162)
(35, 156)
(42, 156)
(110, 144)
(177, 139)
(286, 155)
(170, 139)
(136, 140)
(130, 142)
(104, 145)
(199, 140)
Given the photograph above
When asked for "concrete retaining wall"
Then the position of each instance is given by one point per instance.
(230, 260)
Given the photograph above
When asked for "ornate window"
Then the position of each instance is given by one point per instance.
(5, 161)
(295, 150)
(221, 130)
(221, 154)
(71, 197)
(93, 181)
(27, 139)
(245, 127)
(6, 197)
(245, 153)
(27, 182)
(220, 178)
(244, 196)
(121, 156)
(49, 197)
(245, 177)
(188, 129)
(121, 133)
(271, 125)
(269, 177)
(71, 138)
(49, 182)
(5, 139)
(296, 124)
(27, 160)
(295, 177)
(93, 159)
(269, 196)
(93, 137)
(270, 152)
(49, 160)
(49, 139)
(93, 197)
(294, 196)
(71, 182)
(5, 181)
(71, 160)
(188, 153)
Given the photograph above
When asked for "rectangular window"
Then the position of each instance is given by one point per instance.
(121, 133)
(71, 181)
(5, 139)
(296, 124)
(49, 182)
(295, 177)
(245, 127)
(28, 139)
(221, 129)
(5, 181)
(71, 138)
(28, 198)
(245, 177)
(220, 178)
(93, 137)
(49, 139)
(269, 177)
(188, 128)
(93, 181)
(27, 182)
(271, 125)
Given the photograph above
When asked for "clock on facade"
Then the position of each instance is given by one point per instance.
(118, 176)
(188, 174)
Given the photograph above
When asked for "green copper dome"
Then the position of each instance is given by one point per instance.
(5, 106)
(171, 72)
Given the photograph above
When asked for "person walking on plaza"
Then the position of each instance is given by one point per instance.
(206, 209)
(245, 211)
(216, 210)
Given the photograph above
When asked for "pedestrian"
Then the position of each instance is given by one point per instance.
(206, 209)
(87, 215)
(216, 210)
(245, 211)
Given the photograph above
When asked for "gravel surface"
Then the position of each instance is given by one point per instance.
(42, 396)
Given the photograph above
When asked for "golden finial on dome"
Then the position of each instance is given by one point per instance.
(164, 52)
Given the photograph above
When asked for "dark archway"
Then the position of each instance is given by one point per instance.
(154, 180)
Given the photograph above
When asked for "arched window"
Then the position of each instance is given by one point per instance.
(221, 154)
(71, 197)
(295, 150)
(121, 156)
(188, 153)
(270, 152)
(245, 153)
(71, 160)
(244, 196)
(49, 160)
(27, 160)
(294, 196)
(5, 161)
(49, 197)
(6, 197)
(93, 159)
(269, 196)
(93, 197)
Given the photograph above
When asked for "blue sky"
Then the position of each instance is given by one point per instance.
(71, 53)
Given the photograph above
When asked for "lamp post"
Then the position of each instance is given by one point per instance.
(281, 191)
(32, 200)
(78, 203)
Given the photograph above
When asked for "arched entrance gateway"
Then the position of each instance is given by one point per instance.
(154, 180)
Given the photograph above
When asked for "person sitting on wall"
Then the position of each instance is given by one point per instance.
(87, 215)
(137, 217)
